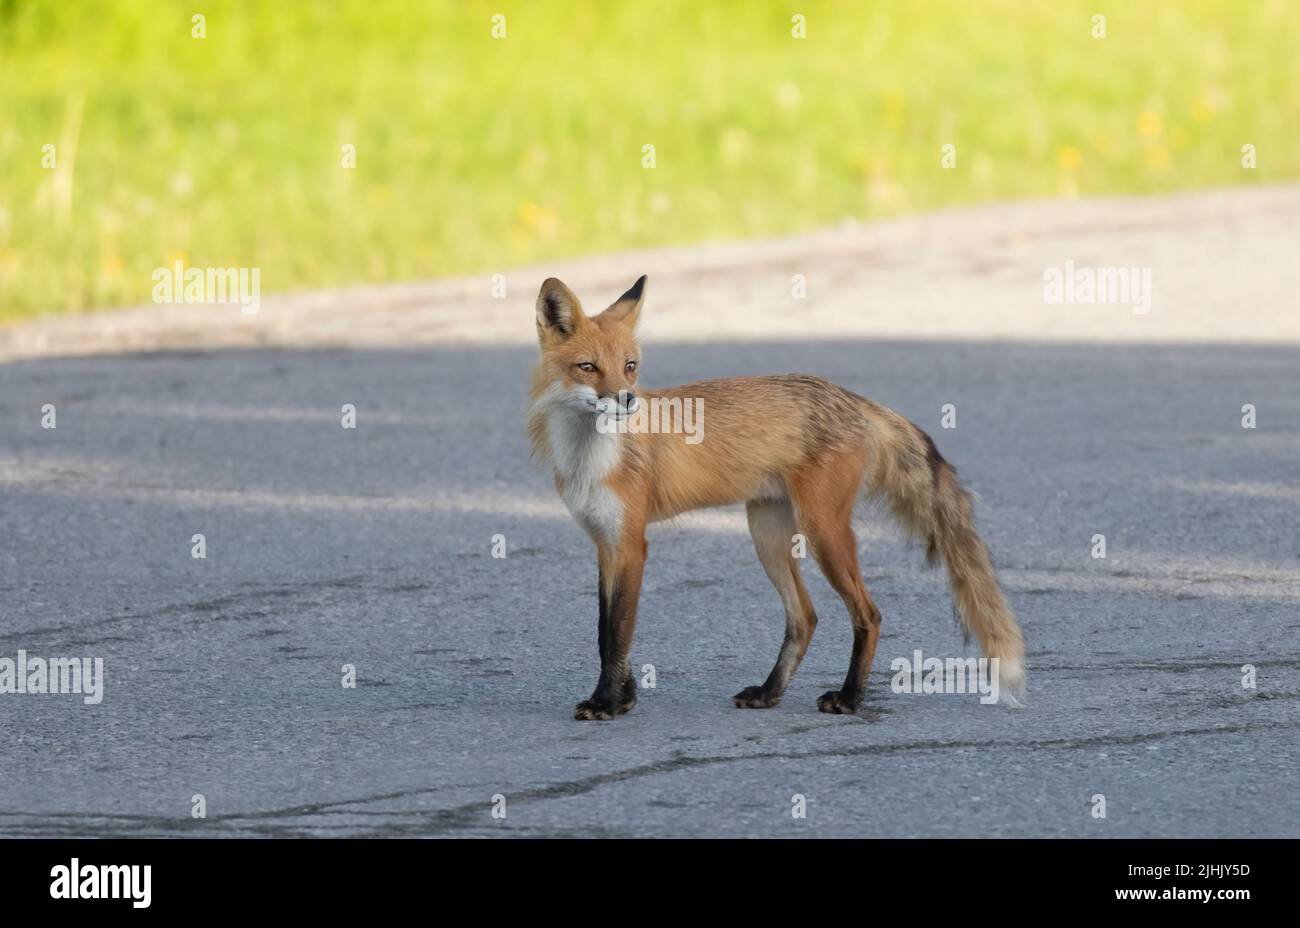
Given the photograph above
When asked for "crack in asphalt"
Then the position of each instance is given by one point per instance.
(213, 609)
(268, 823)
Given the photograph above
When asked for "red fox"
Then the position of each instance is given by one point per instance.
(797, 450)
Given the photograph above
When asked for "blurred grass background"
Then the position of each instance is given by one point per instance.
(474, 154)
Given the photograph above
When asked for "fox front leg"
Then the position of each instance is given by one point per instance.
(620, 588)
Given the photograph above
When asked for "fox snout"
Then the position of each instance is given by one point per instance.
(624, 402)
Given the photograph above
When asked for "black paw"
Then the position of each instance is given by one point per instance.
(838, 703)
(755, 697)
(589, 710)
(603, 706)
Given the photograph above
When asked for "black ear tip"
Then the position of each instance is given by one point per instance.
(636, 290)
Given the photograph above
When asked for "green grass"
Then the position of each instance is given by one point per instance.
(475, 154)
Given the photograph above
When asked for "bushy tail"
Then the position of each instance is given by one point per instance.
(922, 491)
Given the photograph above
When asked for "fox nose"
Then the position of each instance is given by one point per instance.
(620, 402)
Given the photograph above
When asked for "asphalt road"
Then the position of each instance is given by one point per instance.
(372, 547)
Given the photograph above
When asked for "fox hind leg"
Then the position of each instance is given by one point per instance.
(842, 571)
(772, 527)
(826, 516)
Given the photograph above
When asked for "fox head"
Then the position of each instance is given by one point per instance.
(592, 361)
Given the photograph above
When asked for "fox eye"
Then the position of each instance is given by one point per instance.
(631, 366)
(586, 366)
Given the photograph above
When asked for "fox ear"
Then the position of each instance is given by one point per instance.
(558, 310)
(627, 308)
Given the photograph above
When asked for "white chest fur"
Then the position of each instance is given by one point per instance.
(583, 457)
